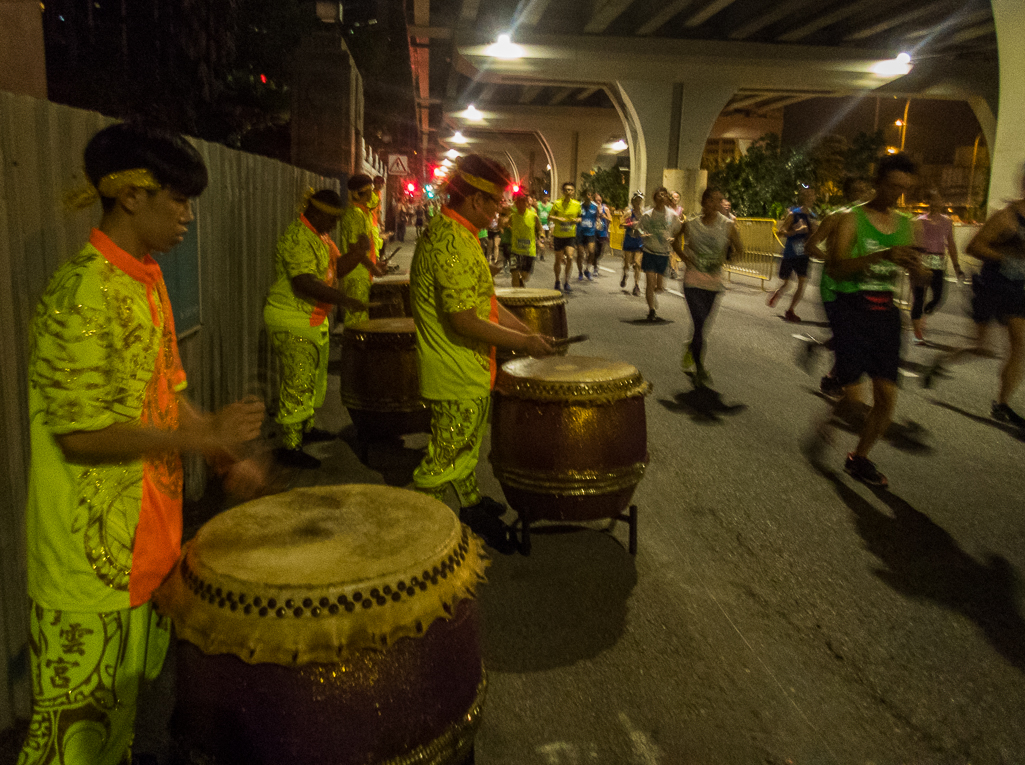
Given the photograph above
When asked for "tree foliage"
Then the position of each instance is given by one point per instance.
(764, 181)
(612, 184)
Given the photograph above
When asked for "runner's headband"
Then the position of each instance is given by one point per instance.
(110, 185)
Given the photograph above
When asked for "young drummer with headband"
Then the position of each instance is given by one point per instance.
(307, 264)
(358, 221)
(459, 322)
(107, 425)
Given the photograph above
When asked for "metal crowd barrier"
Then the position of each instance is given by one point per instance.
(761, 248)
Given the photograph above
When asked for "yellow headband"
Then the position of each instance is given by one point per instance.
(481, 183)
(322, 206)
(110, 185)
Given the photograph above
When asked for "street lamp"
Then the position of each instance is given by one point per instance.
(504, 48)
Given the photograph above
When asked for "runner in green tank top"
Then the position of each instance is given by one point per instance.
(873, 247)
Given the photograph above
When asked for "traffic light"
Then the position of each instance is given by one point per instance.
(429, 191)
(516, 188)
(411, 187)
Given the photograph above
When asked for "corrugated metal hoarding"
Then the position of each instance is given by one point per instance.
(217, 278)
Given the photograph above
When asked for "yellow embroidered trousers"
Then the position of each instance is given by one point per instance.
(457, 429)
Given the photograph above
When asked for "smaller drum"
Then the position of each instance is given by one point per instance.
(544, 311)
(380, 379)
(569, 437)
(389, 297)
(335, 625)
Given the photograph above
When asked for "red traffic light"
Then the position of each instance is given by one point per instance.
(516, 188)
(410, 187)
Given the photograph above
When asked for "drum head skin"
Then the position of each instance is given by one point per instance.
(527, 296)
(313, 574)
(570, 379)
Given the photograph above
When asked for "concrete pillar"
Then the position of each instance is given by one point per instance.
(22, 50)
(1008, 149)
(670, 126)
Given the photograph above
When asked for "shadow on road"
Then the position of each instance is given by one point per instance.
(1004, 426)
(659, 322)
(564, 603)
(908, 436)
(922, 561)
(702, 404)
(392, 458)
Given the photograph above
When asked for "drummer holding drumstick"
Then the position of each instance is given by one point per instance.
(459, 323)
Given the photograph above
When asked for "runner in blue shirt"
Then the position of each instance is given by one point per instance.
(585, 236)
(601, 232)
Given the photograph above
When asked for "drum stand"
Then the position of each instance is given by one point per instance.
(630, 517)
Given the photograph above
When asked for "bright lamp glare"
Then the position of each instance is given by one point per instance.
(904, 58)
(459, 138)
(452, 154)
(473, 114)
(892, 67)
(619, 145)
(504, 48)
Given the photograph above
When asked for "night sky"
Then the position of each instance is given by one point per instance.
(935, 127)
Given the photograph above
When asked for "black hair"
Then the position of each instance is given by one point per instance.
(850, 182)
(567, 183)
(482, 167)
(359, 181)
(709, 190)
(891, 163)
(174, 162)
(328, 197)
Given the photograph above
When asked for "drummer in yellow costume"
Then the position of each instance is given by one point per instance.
(358, 221)
(459, 322)
(307, 264)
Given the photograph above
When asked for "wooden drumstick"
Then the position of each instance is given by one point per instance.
(563, 342)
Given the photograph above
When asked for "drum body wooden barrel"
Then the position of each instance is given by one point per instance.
(329, 625)
(389, 297)
(569, 436)
(544, 311)
(380, 379)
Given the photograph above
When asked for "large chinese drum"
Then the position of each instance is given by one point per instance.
(389, 297)
(332, 625)
(544, 311)
(380, 379)
(568, 436)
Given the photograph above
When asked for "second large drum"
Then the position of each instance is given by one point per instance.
(544, 311)
(389, 297)
(568, 436)
(380, 380)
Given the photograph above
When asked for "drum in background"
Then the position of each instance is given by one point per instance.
(544, 311)
(568, 436)
(380, 379)
(335, 625)
(389, 297)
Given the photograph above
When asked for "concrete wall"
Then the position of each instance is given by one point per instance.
(1009, 146)
(22, 53)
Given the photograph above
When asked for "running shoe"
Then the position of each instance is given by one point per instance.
(580, 277)
(688, 360)
(558, 284)
(792, 317)
(651, 315)
(637, 291)
(773, 299)
(1004, 413)
(587, 275)
(566, 287)
(622, 282)
(864, 470)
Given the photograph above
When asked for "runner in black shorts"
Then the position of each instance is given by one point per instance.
(998, 293)
(800, 223)
(873, 247)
